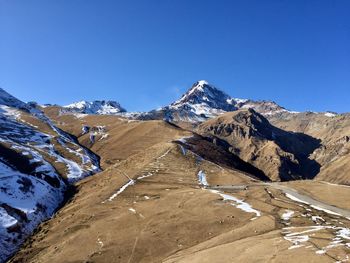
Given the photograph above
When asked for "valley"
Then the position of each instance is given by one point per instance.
(180, 184)
(167, 214)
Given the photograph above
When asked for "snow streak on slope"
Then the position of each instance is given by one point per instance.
(132, 182)
(202, 178)
(240, 204)
(237, 203)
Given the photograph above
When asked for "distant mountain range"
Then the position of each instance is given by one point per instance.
(203, 101)
(200, 102)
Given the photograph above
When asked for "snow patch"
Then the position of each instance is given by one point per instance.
(344, 233)
(287, 215)
(132, 210)
(330, 114)
(202, 178)
(5, 219)
(237, 203)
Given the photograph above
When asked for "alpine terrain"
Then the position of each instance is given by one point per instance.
(208, 178)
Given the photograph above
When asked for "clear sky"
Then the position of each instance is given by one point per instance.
(145, 53)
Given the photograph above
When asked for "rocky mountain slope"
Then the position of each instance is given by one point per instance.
(279, 154)
(116, 138)
(333, 130)
(37, 163)
(165, 203)
(203, 101)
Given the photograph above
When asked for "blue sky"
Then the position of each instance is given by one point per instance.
(145, 53)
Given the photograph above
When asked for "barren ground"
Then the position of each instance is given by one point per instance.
(149, 206)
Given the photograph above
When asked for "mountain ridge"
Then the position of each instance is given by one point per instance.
(203, 101)
(102, 107)
(200, 102)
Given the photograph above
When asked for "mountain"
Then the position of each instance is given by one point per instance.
(281, 155)
(169, 194)
(203, 101)
(101, 107)
(38, 163)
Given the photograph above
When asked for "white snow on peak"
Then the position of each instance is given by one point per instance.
(100, 107)
(203, 101)
(330, 114)
(201, 83)
(200, 102)
(79, 105)
(199, 86)
(236, 100)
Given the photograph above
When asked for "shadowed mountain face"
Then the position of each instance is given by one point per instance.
(334, 132)
(219, 154)
(281, 155)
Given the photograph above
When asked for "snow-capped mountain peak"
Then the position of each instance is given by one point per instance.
(203, 101)
(79, 105)
(204, 94)
(101, 107)
(199, 86)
